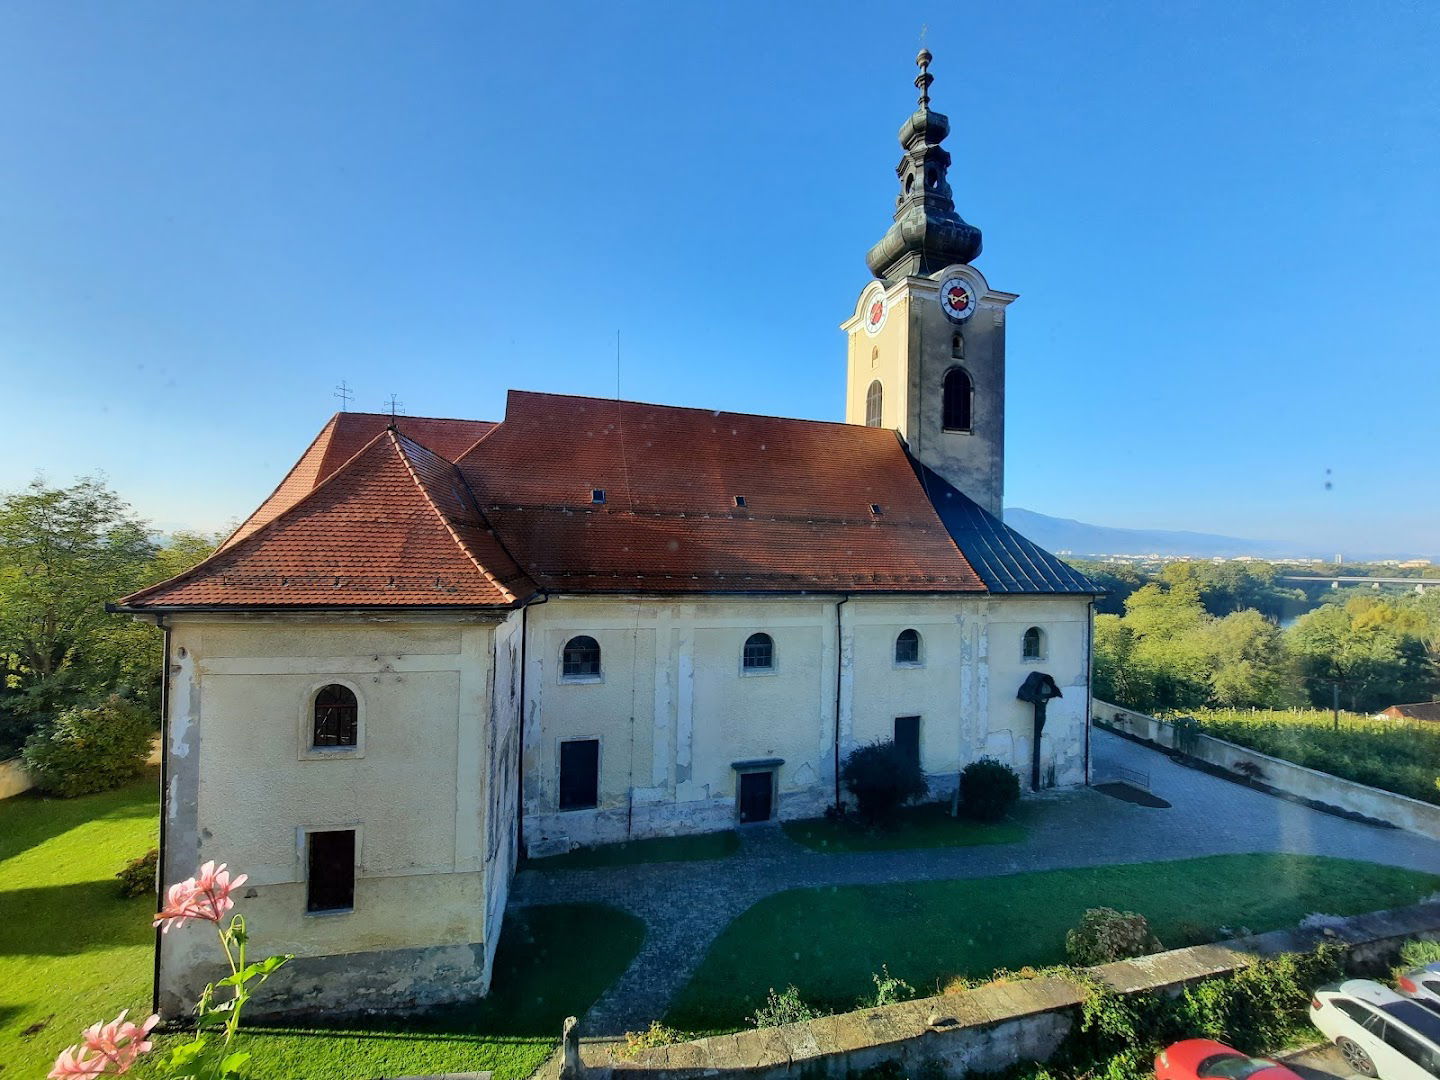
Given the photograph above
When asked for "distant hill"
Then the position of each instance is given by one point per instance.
(1081, 539)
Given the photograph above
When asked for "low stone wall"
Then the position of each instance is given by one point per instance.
(13, 778)
(1285, 776)
(990, 1028)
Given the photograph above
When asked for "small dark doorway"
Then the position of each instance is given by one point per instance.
(907, 737)
(756, 794)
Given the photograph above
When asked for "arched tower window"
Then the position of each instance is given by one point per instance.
(957, 346)
(1033, 644)
(875, 356)
(907, 647)
(874, 403)
(337, 717)
(759, 653)
(581, 659)
(958, 393)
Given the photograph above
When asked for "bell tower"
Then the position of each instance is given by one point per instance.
(927, 337)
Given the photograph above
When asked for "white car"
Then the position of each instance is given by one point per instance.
(1422, 984)
(1380, 1032)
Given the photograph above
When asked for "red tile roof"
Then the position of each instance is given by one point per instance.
(394, 526)
(1420, 710)
(341, 439)
(503, 510)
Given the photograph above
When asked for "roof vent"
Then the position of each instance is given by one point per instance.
(875, 509)
(740, 501)
(597, 495)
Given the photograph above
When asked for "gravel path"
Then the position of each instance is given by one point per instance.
(686, 905)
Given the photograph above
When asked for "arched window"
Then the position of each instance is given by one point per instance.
(957, 346)
(581, 659)
(956, 408)
(907, 647)
(759, 653)
(337, 717)
(874, 355)
(1033, 644)
(874, 401)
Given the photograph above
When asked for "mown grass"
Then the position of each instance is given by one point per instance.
(73, 952)
(716, 845)
(928, 825)
(829, 941)
(1396, 755)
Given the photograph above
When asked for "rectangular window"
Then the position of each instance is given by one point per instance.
(330, 870)
(907, 737)
(580, 774)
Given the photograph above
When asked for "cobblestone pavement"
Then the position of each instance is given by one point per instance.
(686, 905)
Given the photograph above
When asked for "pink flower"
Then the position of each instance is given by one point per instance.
(205, 896)
(106, 1049)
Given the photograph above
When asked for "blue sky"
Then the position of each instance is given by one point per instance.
(1222, 220)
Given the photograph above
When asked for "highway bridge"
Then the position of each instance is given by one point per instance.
(1418, 584)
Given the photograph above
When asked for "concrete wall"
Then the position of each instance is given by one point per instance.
(1399, 810)
(245, 786)
(674, 710)
(994, 1027)
(13, 778)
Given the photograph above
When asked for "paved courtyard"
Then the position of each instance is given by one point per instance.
(686, 905)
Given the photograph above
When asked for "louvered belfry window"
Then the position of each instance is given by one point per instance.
(337, 716)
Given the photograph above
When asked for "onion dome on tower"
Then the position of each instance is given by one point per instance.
(928, 235)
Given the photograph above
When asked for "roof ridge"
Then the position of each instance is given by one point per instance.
(262, 530)
(470, 449)
(329, 426)
(396, 436)
(694, 409)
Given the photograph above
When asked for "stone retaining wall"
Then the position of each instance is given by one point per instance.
(1285, 776)
(988, 1029)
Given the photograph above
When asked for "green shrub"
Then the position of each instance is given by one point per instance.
(88, 750)
(656, 1035)
(882, 779)
(784, 1008)
(1414, 954)
(888, 990)
(989, 789)
(138, 877)
(1105, 934)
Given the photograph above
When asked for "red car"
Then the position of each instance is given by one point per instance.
(1206, 1059)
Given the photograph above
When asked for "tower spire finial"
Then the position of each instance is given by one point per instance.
(924, 79)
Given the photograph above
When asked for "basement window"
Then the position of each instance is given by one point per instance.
(330, 871)
(597, 495)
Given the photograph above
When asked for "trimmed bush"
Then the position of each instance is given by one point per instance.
(138, 877)
(87, 750)
(882, 779)
(989, 789)
(1105, 934)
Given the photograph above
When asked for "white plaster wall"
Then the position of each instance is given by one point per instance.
(674, 711)
(1066, 625)
(244, 784)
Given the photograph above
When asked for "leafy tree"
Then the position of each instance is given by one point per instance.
(1365, 651)
(1248, 664)
(1117, 579)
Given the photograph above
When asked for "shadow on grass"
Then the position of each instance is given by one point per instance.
(64, 920)
(553, 962)
(31, 818)
(928, 825)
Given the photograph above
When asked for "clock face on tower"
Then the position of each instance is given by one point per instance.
(875, 310)
(957, 299)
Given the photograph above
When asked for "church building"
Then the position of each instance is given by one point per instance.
(440, 644)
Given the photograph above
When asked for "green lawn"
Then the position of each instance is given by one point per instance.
(72, 952)
(926, 826)
(716, 845)
(553, 962)
(828, 941)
